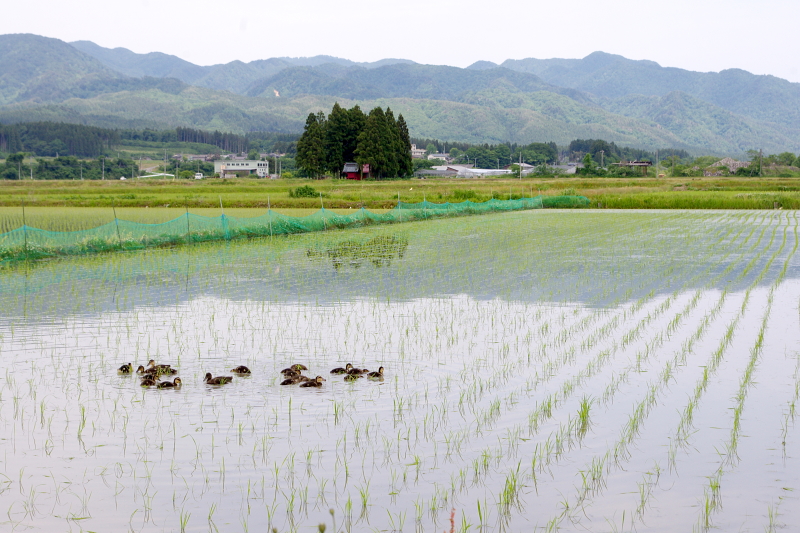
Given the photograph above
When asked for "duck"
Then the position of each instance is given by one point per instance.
(357, 371)
(127, 368)
(288, 372)
(376, 375)
(352, 377)
(241, 369)
(316, 382)
(143, 370)
(149, 381)
(341, 370)
(219, 380)
(294, 368)
(160, 369)
(294, 380)
(170, 384)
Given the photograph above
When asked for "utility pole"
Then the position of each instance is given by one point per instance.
(602, 160)
(759, 162)
(104, 168)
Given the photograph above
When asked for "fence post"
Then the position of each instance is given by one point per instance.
(322, 205)
(269, 213)
(25, 229)
(222, 219)
(116, 221)
(188, 230)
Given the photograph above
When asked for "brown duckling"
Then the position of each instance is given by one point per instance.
(358, 371)
(160, 369)
(219, 380)
(316, 382)
(294, 368)
(352, 377)
(149, 380)
(341, 370)
(376, 375)
(127, 368)
(170, 384)
(294, 380)
(149, 371)
(241, 369)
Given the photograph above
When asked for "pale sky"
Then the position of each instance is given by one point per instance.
(704, 35)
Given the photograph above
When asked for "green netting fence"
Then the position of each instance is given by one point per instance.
(28, 242)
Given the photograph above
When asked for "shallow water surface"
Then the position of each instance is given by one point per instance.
(572, 370)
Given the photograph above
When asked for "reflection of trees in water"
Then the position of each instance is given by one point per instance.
(379, 251)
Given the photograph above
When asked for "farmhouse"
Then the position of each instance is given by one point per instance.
(232, 169)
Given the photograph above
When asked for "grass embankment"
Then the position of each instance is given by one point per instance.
(634, 193)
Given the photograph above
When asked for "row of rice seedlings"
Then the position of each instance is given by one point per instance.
(712, 498)
(684, 429)
(634, 422)
(715, 361)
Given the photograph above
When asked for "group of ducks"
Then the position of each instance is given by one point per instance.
(151, 376)
(352, 373)
(294, 375)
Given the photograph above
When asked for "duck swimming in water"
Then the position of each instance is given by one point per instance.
(316, 382)
(170, 384)
(357, 371)
(294, 380)
(341, 370)
(376, 375)
(149, 380)
(127, 368)
(219, 380)
(149, 371)
(241, 369)
(297, 368)
(160, 369)
(352, 377)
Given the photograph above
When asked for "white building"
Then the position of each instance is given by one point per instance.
(417, 153)
(232, 169)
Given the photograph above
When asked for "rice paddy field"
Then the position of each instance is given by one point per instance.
(576, 370)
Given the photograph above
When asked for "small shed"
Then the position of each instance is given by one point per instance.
(351, 171)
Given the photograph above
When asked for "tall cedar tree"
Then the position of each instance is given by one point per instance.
(310, 147)
(371, 148)
(335, 139)
(406, 165)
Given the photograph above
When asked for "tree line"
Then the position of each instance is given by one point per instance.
(17, 166)
(376, 139)
(56, 138)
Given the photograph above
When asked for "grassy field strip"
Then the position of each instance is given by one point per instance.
(630, 432)
(647, 485)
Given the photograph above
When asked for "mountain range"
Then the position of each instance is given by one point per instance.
(633, 103)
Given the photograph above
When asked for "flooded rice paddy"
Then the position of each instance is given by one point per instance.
(548, 370)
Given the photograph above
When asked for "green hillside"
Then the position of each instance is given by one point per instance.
(632, 103)
(764, 98)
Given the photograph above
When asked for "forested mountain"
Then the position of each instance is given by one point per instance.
(611, 76)
(634, 103)
(39, 69)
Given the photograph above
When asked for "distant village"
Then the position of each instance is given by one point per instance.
(268, 166)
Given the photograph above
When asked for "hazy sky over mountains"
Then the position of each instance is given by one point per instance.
(704, 35)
